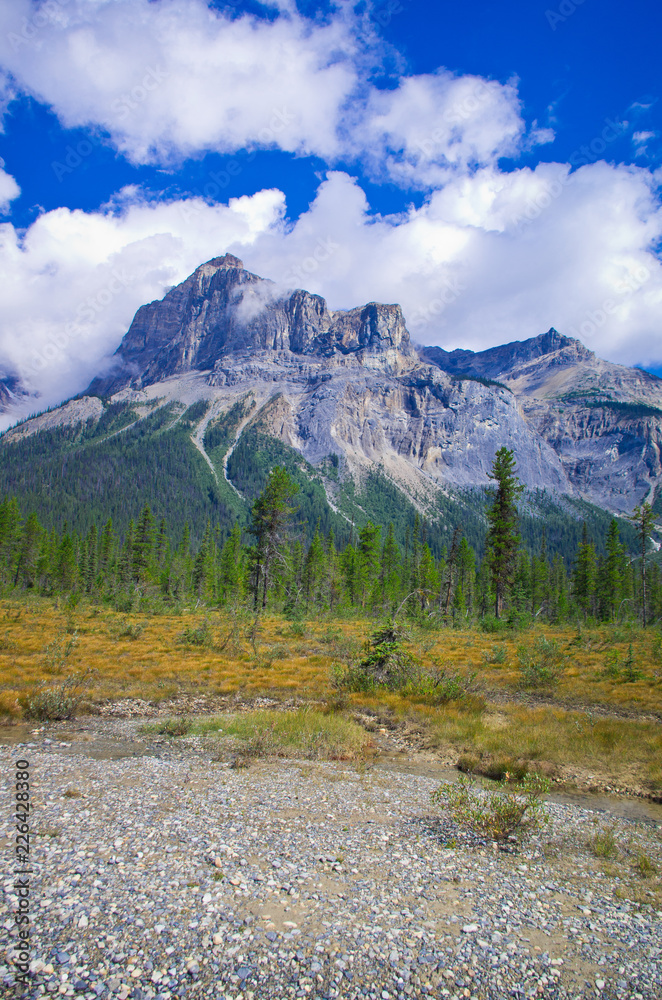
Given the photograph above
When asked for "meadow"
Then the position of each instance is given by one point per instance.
(582, 704)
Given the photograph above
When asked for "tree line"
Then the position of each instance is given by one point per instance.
(270, 565)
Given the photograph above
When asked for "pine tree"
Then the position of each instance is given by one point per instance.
(503, 536)
(90, 548)
(271, 516)
(28, 552)
(10, 533)
(450, 567)
(333, 572)
(644, 521)
(143, 543)
(203, 565)
(231, 569)
(106, 549)
(369, 551)
(584, 576)
(390, 573)
(314, 571)
(609, 577)
(65, 571)
(467, 571)
(428, 577)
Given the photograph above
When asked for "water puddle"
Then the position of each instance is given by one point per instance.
(641, 810)
(97, 746)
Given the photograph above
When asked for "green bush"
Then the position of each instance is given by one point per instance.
(387, 665)
(492, 624)
(497, 655)
(496, 814)
(124, 629)
(56, 702)
(541, 664)
(603, 843)
(200, 635)
(175, 727)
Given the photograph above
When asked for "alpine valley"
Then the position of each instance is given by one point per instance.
(228, 375)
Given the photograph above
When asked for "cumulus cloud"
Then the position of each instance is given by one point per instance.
(175, 78)
(9, 189)
(491, 258)
(436, 125)
(171, 79)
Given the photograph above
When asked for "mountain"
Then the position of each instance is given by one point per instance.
(229, 373)
(12, 392)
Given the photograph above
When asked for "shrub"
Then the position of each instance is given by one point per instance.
(175, 727)
(58, 652)
(387, 665)
(496, 814)
(603, 843)
(57, 702)
(631, 672)
(124, 629)
(612, 667)
(644, 866)
(490, 623)
(541, 663)
(200, 635)
(497, 655)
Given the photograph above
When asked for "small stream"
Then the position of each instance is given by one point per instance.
(614, 805)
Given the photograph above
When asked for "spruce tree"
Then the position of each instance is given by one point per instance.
(644, 521)
(231, 569)
(503, 535)
(270, 517)
(584, 576)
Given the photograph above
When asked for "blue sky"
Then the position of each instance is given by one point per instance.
(495, 168)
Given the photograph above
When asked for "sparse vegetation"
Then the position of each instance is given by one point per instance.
(603, 844)
(305, 732)
(496, 814)
(476, 708)
(172, 727)
(56, 702)
(540, 663)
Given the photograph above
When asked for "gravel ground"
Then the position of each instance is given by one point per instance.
(172, 874)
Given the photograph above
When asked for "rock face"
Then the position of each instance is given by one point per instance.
(222, 309)
(12, 392)
(350, 384)
(603, 421)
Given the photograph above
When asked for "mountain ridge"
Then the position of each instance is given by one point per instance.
(350, 383)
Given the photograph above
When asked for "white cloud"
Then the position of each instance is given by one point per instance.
(174, 79)
(9, 189)
(492, 258)
(171, 79)
(436, 125)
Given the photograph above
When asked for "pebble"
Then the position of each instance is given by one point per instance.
(305, 879)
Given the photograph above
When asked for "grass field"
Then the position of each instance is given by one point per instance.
(567, 700)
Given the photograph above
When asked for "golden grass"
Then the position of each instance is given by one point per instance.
(142, 656)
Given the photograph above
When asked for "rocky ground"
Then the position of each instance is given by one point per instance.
(160, 871)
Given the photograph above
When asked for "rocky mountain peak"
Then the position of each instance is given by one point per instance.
(222, 309)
